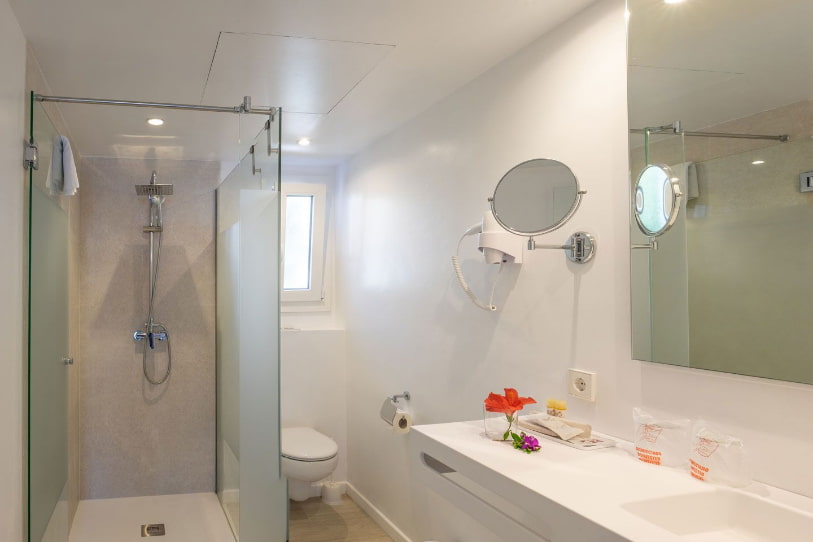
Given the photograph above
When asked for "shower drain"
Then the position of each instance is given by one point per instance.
(153, 529)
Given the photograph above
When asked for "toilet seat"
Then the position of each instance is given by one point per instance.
(307, 445)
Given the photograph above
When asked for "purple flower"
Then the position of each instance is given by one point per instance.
(526, 443)
(529, 443)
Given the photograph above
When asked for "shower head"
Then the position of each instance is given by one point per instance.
(153, 189)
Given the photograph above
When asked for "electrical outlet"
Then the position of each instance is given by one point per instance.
(581, 384)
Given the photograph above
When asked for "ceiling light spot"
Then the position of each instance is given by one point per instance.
(758, 162)
(673, 1)
(303, 141)
(155, 121)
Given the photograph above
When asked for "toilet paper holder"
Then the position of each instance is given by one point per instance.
(397, 416)
(395, 398)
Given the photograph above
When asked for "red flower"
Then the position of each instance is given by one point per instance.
(508, 403)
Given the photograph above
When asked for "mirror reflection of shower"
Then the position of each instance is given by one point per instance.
(153, 330)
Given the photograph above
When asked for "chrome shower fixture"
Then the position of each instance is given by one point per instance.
(154, 331)
(157, 194)
(153, 189)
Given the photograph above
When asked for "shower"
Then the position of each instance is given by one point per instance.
(153, 330)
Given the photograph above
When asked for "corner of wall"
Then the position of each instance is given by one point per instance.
(12, 329)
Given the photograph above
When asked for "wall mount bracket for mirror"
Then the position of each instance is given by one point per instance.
(580, 247)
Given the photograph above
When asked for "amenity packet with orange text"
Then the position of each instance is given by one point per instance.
(718, 458)
(660, 440)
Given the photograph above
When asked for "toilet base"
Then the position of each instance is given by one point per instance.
(332, 493)
(298, 490)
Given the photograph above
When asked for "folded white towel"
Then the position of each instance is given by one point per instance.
(687, 173)
(62, 178)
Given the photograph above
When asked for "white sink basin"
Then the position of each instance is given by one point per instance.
(725, 515)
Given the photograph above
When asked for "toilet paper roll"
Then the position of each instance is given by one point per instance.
(402, 421)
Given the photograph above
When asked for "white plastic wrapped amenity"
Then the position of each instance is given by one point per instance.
(660, 440)
(717, 458)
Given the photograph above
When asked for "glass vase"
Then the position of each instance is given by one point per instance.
(496, 425)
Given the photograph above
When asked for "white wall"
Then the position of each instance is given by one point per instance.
(407, 200)
(12, 111)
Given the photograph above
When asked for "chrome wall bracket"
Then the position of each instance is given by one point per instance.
(31, 158)
(254, 169)
(580, 247)
(404, 395)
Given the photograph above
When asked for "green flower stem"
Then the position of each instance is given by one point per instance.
(510, 419)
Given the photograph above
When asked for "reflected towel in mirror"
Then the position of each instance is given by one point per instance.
(62, 178)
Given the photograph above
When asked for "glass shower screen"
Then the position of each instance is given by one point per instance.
(250, 486)
(48, 346)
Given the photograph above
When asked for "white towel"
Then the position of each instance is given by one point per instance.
(62, 177)
(687, 173)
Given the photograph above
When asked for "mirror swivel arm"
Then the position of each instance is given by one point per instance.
(652, 245)
(533, 246)
(580, 247)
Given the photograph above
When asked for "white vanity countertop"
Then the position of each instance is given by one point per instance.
(593, 484)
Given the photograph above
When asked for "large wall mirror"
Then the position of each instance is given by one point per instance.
(721, 91)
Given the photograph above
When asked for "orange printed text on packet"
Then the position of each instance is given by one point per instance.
(649, 456)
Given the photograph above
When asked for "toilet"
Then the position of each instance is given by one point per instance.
(307, 456)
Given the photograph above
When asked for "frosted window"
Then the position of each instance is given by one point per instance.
(298, 242)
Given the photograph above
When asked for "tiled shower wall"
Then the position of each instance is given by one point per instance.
(139, 439)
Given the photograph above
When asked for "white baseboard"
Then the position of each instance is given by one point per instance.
(231, 495)
(383, 521)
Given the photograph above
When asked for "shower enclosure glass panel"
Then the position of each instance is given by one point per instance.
(660, 312)
(48, 348)
(250, 486)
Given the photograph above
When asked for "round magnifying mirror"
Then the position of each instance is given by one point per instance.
(657, 198)
(536, 197)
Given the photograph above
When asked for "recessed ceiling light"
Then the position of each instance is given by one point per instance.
(304, 141)
(758, 162)
(673, 1)
(155, 121)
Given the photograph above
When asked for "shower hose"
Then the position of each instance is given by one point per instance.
(152, 326)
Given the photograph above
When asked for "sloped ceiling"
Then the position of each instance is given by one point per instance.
(344, 72)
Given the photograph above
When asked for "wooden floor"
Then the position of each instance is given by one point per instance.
(314, 521)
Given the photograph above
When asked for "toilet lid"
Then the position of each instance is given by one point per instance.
(307, 444)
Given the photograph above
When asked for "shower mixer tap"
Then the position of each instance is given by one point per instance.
(151, 336)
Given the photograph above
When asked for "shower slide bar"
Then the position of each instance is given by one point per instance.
(674, 129)
(244, 108)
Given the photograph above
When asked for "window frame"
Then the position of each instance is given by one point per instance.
(317, 293)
